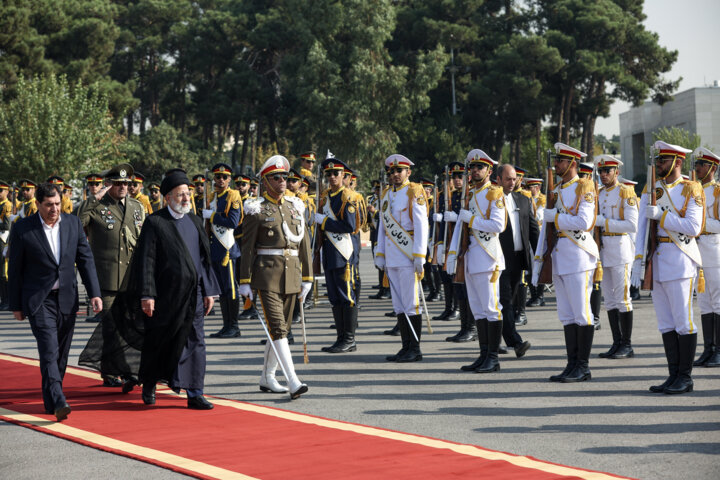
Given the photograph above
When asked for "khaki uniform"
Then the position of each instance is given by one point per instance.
(273, 262)
(112, 233)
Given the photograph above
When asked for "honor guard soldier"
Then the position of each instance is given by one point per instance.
(432, 275)
(135, 191)
(112, 221)
(337, 221)
(574, 259)
(538, 201)
(5, 222)
(350, 181)
(401, 250)
(373, 205)
(27, 198)
(199, 195)
(155, 198)
(482, 222)
(679, 215)
(254, 187)
(307, 166)
(242, 185)
(706, 165)
(224, 216)
(66, 205)
(586, 170)
(519, 177)
(617, 217)
(93, 185)
(275, 261)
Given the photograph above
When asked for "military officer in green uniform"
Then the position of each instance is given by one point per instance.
(112, 221)
(275, 261)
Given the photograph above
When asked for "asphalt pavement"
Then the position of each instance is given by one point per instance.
(611, 423)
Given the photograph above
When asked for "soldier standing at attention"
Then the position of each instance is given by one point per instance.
(706, 165)
(585, 171)
(199, 194)
(537, 200)
(112, 221)
(66, 205)
(337, 221)
(574, 259)
(275, 261)
(155, 198)
(432, 276)
(617, 216)
(5, 222)
(135, 191)
(224, 215)
(679, 213)
(27, 198)
(401, 250)
(307, 165)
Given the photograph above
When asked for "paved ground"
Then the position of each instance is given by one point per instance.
(611, 424)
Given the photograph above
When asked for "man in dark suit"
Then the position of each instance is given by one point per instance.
(518, 243)
(44, 249)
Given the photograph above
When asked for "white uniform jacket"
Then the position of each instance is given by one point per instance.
(408, 207)
(618, 204)
(709, 240)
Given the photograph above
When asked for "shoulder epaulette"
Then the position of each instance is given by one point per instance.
(716, 190)
(585, 185)
(415, 190)
(627, 191)
(252, 205)
(691, 189)
(299, 205)
(233, 196)
(289, 193)
(542, 200)
(494, 192)
(527, 193)
(348, 195)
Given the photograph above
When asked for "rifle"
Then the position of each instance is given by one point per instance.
(206, 193)
(433, 253)
(84, 190)
(545, 276)
(448, 205)
(597, 233)
(14, 198)
(650, 240)
(464, 235)
(317, 268)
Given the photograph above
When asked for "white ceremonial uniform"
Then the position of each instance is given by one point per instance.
(406, 208)
(575, 255)
(709, 245)
(618, 204)
(538, 204)
(484, 259)
(674, 269)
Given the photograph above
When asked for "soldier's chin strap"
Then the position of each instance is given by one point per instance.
(709, 173)
(271, 189)
(672, 167)
(572, 160)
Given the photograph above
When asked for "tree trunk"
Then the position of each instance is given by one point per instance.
(246, 140)
(566, 114)
(258, 143)
(561, 118)
(236, 140)
(538, 147)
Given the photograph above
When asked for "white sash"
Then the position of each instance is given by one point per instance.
(687, 244)
(580, 238)
(489, 241)
(224, 235)
(341, 241)
(398, 235)
(4, 236)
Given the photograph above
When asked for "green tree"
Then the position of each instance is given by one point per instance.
(52, 127)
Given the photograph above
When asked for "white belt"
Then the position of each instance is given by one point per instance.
(282, 252)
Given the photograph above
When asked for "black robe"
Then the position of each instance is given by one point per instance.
(161, 268)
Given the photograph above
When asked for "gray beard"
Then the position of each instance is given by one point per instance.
(178, 207)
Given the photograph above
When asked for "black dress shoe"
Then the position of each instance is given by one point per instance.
(112, 381)
(390, 314)
(94, 319)
(296, 394)
(249, 314)
(129, 385)
(148, 394)
(521, 349)
(502, 350)
(199, 403)
(62, 412)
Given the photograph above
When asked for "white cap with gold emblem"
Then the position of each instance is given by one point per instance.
(275, 164)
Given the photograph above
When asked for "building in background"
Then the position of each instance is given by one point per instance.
(696, 110)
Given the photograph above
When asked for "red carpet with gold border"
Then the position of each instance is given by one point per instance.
(243, 440)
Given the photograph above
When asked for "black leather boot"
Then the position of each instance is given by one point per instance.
(595, 301)
(347, 339)
(413, 353)
(672, 352)
(581, 372)
(683, 383)
(447, 288)
(492, 363)
(481, 327)
(394, 331)
(626, 326)
(233, 307)
(455, 309)
(571, 349)
(148, 393)
(296, 313)
(614, 321)
(404, 335)
(708, 327)
(714, 361)
(464, 317)
(337, 312)
(470, 329)
(519, 303)
(225, 317)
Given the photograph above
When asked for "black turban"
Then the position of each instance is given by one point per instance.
(172, 179)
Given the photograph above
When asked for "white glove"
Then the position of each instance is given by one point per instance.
(440, 252)
(635, 279)
(380, 262)
(304, 290)
(207, 213)
(600, 221)
(450, 265)
(537, 266)
(245, 290)
(450, 216)
(465, 215)
(653, 212)
(437, 217)
(320, 217)
(549, 214)
(418, 264)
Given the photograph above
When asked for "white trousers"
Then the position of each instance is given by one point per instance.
(616, 288)
(709, 302)
(483, 296)
(673, 305)
(406, 290)
(573, 297)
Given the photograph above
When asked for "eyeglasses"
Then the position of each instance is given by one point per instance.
(477, 166)
(220, 176)
(458, 175)
(135, 184)
(605, 169)
(660, 160)
(333, 173)
(25, 189)
(292, 180)
(395, 170)
(120, 184)
(279, 178)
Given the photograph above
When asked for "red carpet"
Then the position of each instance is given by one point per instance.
(242, 440)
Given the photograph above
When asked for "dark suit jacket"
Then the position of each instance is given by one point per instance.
(529, 232)
(32, 268)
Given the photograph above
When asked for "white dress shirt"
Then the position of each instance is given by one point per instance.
(53, 238)
(514, 216)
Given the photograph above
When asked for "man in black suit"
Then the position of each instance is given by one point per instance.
(44, 249)
(518, 243)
